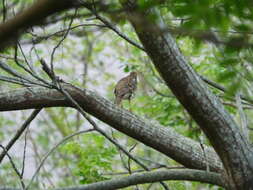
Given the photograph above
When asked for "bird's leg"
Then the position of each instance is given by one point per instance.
(129, 100)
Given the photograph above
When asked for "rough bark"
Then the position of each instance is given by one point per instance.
(184, 150)
(148, 177)
(203, 106)
(151, 177)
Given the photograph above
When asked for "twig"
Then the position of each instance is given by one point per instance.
(223, 89)
(23, 54)
(13, 166)
(24, 153)
(142, 170)
(14, 81)
(19, 133)
(120, 153)
(10, 57)
(129, 160)
(113, 28)
(59, 43)
(98, 129)
(45, 37)
(13, 72)
(52, 150)
(27, 70)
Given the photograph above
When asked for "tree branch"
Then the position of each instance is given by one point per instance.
(19, 133)
(12, 28)
(184, 150)
(151, 177)
(204, 107)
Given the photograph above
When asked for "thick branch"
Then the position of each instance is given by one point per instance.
(166, 140)
(10, 29)
(151, 177)
(204, 107)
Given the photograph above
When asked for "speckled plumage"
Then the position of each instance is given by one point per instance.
(125, 88)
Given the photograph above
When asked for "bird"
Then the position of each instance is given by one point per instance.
(125, 88)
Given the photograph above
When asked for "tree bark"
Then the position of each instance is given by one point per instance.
(202, 105)
(165, 140)
(148, 177)
(151, 177)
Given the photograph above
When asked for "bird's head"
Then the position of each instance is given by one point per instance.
(133, 74)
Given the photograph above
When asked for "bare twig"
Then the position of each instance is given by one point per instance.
(24, 153)
(14, 81)
(111, 26)
(13, 72)
(98, 129)
(223, 89)
(23, 54)
(19, 133)
(52, 150)
(13, 166)
(59, 33)
(59, 43)
(10, 57)
(31, 72)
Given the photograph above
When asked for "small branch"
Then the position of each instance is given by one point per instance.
(234, 105)
(19, 133)
(13, 166)
(22, 78)
(25, 59)
(59, 43)
(223, 89)
(10, 57)
(31, 72)
(52, 150)
(80, 109)
(24, 154)
(39, 39)
(14, 81)
(113, 28)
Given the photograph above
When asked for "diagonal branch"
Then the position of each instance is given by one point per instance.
(184, 150)
(102, 132)
(13, 166)
(19, 133)
(204, 107)
(65, 139)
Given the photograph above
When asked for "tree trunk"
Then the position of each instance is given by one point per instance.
(204, 107)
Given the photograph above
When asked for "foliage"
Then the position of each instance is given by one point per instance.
(215, 36)
(92, 157)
